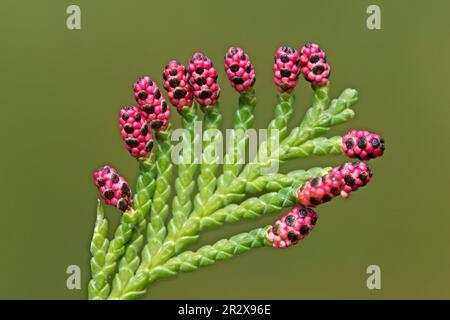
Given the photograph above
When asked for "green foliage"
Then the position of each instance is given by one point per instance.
(239, 192)
(207, 255)
(156, 229)
(243, 120)
(145, 189)
(187, 168)
(99, 246)
(207, 180)
(104, 261)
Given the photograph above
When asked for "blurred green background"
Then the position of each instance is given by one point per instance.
(60, 95)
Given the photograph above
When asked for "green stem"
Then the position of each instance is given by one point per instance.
(143, 198)
(99, 248)
(187, 168)
(156, 229)
(270, 182)
(145, 186)
(207, 255)
(207, 179)
(318, 147)
(284, 112)
(243, 121)
(321, 99)
(268, 152)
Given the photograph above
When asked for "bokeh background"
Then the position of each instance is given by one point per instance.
(61, 91)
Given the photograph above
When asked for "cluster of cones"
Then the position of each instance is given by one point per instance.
(340, 181)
